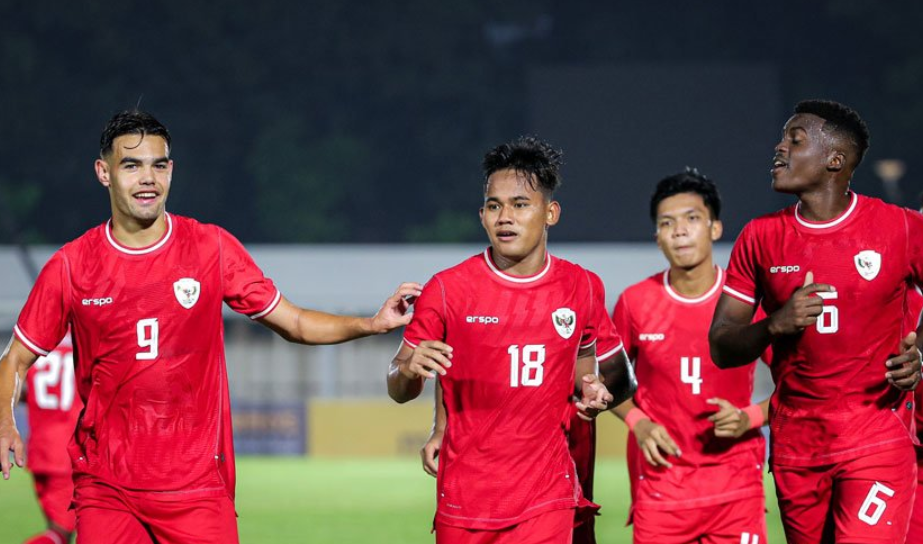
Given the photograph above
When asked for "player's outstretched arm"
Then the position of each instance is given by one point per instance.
(312, 327)
(653, 438)
(618, 376)
(430, 450)
(904, 369)
(732, 422)
(15, 362)
(412, 366)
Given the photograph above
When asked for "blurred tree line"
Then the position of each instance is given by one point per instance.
(328, 121)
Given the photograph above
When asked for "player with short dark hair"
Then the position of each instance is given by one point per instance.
(696, 459)
(511, 333)
(832, 273)
(142, 295)
(53, 409)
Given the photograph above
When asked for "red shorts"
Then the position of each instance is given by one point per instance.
(741, 521)
(581, 440)
(915, 534)
(554, 527)
(860, 501)
(106, 515)
(55, 493)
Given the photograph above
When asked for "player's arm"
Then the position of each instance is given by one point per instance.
(411, 367)
(14, 364)
(430, 450)
(618, 376)
(904, 369)
(732, 422)
(593, 394)
(312, 327)
(653, 438)
(736, 341)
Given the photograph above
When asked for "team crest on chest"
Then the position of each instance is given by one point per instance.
(868, 263)
(564, 320)
(187, 292)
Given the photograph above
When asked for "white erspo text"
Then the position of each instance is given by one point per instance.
(784, 269)
(483, 319)
(97, 301)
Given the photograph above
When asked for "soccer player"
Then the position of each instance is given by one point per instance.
(832, 273)
(696, 463)
(505, 331)
(581, 434)
(53, 408)
(142, 294)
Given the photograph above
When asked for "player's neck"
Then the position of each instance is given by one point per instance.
(825, 204)
(132, 233)
(696, 281)
(529, 265)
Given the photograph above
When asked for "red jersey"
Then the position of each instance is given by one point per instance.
(911, 322)
(53, 407)
(832, 401)
(148, 334)
(507, 397)
(666, 335)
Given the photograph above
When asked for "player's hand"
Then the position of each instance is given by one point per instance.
(904, 370)
(653, 439)
(10, 442)
(430, 452)
(595, 398)
(801, 310)
(431, 357)
(393, 313)
(730, 421)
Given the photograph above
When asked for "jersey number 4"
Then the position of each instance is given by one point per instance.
(51, 370)
(690, 372)
(526, 366)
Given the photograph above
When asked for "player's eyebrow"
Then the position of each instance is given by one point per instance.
(678, 213)
(136, 160)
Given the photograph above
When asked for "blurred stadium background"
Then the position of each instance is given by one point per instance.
(342, 142)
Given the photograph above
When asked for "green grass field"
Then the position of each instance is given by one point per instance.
(321, 501)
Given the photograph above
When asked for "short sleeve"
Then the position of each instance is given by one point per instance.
(428, 322)
(246, 289)
(608, 341)
(621, 317)
(44, 319)
(741, 282)
(915, 246)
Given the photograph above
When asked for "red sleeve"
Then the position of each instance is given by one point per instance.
(43, 320)
(741, 272)
(621, 317)
(760, 315)
(590, 333)
(246, 289)
(429, 312)
(914, 245)
(608, 341)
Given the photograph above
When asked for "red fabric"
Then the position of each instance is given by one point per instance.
(825, 504)
(552, 527)
(53, 408)
(150, 370)
(661, 329)
(504, 457)
(832, 375)
(55, 493)
(915, 533)
(106, 515)
(738, 522)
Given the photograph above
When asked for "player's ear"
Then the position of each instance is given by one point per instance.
(552, 213)
(102, 172)
(836, 160)
(717, 229)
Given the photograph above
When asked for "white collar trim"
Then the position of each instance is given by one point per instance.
(142, 251)
(719, 279)
(828, 224)
(518, 279)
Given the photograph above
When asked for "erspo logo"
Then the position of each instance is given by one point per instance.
(483, 319)
(97, 301)
(652, 337)
(784, 269)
